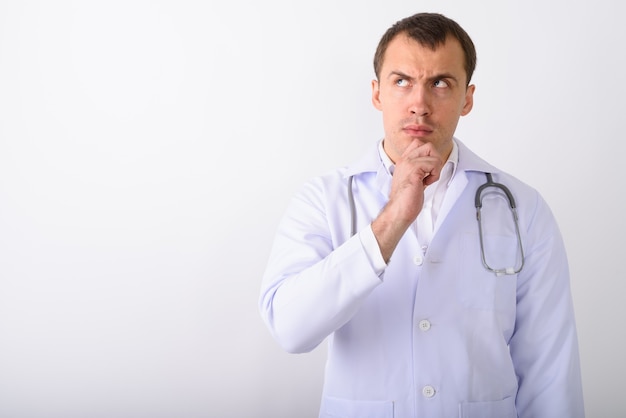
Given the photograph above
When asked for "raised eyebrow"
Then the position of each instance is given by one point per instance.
(444, 76)
(401, 75)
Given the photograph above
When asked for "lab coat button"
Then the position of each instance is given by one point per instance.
(428, 391)
(424, 325)
(418, 260)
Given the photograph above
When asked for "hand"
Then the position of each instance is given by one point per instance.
(418, 167)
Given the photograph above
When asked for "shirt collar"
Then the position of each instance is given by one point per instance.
(371, 162)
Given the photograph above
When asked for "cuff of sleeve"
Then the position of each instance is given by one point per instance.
(372, 250)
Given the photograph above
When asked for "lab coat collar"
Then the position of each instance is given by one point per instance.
(369, 162)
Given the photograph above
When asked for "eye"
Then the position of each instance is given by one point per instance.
(401, 82)
(440, 84)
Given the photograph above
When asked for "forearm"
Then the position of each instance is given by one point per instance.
(419, 167)
(305, 300)
(388, 229)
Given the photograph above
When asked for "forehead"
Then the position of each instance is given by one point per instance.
(409, 56)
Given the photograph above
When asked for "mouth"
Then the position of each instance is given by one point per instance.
(419, 131)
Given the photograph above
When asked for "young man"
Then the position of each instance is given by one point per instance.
(428, 312)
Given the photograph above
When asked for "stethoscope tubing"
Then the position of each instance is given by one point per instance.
(479, 204)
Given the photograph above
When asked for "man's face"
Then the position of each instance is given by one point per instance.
(421, 93)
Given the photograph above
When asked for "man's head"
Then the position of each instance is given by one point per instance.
(431, 30)
(423, 67)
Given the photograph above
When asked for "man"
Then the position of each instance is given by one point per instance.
(426, 313)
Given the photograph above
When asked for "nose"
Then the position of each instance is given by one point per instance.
(419, 104)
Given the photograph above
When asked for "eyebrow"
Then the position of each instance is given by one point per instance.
(440, 76)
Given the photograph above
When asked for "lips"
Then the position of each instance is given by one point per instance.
(417, 130)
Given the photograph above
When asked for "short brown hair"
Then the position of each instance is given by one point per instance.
(429, 29)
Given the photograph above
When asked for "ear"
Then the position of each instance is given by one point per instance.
(376, 95)
(469, 100)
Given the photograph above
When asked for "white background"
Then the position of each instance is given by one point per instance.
(149, 148)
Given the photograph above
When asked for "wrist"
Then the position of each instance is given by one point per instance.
(388, 230)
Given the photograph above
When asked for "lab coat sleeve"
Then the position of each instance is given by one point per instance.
(544, 345)
(317, 276)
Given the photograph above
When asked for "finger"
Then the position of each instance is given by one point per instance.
(415, 149)
(420, 168)
(432, 171)
(430, 179)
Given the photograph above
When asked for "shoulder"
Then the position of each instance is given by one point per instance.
(337, 179)
(471, 162)
(528, 200)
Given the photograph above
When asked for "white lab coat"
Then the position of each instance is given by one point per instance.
(436, 334)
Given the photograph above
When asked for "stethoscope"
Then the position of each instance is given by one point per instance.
(478, 202)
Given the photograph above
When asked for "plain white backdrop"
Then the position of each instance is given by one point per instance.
(149, 148)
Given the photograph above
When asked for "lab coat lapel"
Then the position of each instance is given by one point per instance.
(468, 162)
(371, 162)
(456, 187)
(383, 182)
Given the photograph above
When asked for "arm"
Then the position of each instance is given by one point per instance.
(310, 288)
(418, 167)
(544, 346)
(314, 285)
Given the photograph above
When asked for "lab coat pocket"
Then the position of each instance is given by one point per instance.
(494, 409)
(479, 287)
(347, 408)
